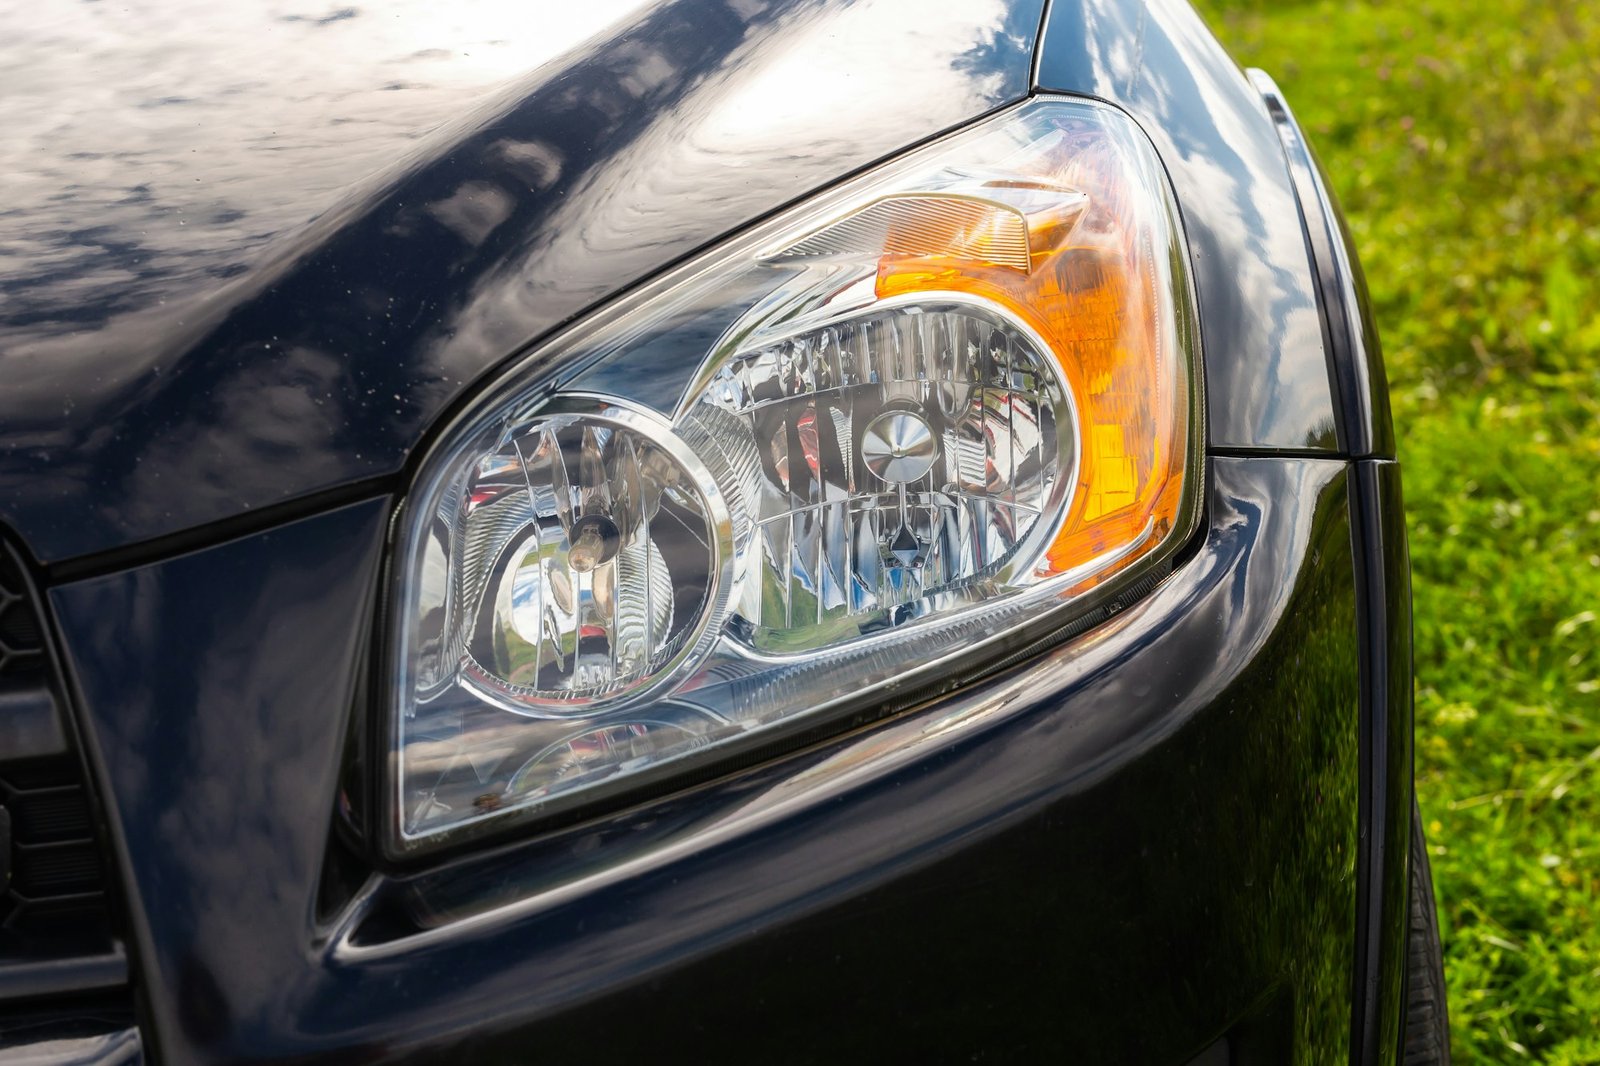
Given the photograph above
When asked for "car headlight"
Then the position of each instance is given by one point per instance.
(873, 446)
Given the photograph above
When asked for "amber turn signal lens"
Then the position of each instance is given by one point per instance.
(1098, 293)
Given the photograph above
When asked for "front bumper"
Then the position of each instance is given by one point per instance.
(1123, 850)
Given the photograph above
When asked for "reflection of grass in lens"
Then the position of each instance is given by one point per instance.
(819, 635)
(772, 593)
(802, 608)
(1462, 137)
(522, 658)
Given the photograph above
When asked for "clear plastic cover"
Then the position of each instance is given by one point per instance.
(943, 403)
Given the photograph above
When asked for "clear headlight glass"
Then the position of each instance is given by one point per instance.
(852, 455)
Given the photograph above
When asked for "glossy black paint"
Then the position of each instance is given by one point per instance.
(1267, 374)
(1349, 334)
(1383, 590)
(232, 333)
(1168, 840)
(215, 711)
(1383, 584)
(1001, 872)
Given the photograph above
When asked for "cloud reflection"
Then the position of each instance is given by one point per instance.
(149, 147)
(214, 203)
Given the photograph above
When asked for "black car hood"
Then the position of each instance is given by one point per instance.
(251, 253)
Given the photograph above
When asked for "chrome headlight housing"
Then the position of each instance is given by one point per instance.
(873, 446)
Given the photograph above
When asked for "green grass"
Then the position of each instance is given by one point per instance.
(1464, 141)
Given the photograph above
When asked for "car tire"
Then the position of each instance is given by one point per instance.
(1427, 1019)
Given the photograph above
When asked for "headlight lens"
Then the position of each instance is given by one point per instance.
(874, 443)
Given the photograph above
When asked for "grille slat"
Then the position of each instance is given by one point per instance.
(21, 638)
(50, 871)
(50, 817)
(55, 905)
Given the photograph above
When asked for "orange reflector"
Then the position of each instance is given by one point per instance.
(1101, 293)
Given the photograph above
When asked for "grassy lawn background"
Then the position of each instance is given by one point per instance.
(1464, 141)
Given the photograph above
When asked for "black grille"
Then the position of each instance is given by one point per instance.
(21, 641)
(54, 899)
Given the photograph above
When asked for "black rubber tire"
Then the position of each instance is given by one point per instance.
(1427, 1020)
